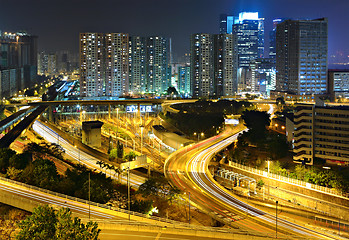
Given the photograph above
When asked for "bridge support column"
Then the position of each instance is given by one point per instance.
(109, 110)
(139, 111)
(50, 114)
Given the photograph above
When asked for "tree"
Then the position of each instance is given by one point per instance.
(47, 223)
(256, 122)
(5, 155)
(130, 156)
(20, 161)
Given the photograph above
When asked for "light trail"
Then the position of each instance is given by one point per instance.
(188, 170)
(84, 158)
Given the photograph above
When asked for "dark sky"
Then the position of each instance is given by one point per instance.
(58, 22)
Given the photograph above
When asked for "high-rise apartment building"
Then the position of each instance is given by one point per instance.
(321, 133)
(301, 59)
(225, 64)
(213, 65)
(184, 82)
(157, 64)
(138, 74)
(51, 64)
(201, 65)
(92, 68)
(116, 64)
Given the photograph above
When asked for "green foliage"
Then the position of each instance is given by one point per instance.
(256, 122)
(20, 161)
(142, 206)
(5, 155)
(277, 146)
(46, 223)
(158, 186)
(260, 183)
(113, 154)
(130, 156)
(52, 149)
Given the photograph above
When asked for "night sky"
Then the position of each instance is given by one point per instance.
(58, 22)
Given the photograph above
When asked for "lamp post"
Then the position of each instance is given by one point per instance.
(89, 195)
(128, 192)
(117, 121)
(142, 139)
(276, 222)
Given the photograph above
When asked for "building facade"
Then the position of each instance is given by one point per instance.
(201, 65)
(321, 133)
(157, 65)
(225, 64)
(116, 64)
(92, 68)
(301, 59)
(338, 84)
(138, 74)
(18, 62)
(184, 82)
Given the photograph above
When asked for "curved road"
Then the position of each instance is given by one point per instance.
(188, 170)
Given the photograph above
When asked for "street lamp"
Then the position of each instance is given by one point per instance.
(142, 139)
(276, 222)
(189, 205)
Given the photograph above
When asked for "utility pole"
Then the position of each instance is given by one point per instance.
(89, 196)
(276, 222)
(128, 193)
(189, 207)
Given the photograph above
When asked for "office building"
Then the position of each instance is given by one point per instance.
(301, 59)
(138, 74)
(249, 30)
(272, 38)
(321, 133)
(338, 84)
(261, 77)
(157, 65)
(18, 62)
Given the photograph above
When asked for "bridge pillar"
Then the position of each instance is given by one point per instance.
(139, 111)
(50, 113)
(109, 110)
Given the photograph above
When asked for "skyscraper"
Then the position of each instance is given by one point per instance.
(301, 59)
(213, 64)
(18, 62)
(138, 74)
(116, 64)
(184, 82)
(201, 64)
(157, 64)
(92, 68)
(249, 29)
(225, 64)
(272, 38)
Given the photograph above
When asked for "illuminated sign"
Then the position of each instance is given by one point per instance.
(229, 121)
(143, 108)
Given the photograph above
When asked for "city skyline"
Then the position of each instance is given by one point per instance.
(58, 24)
